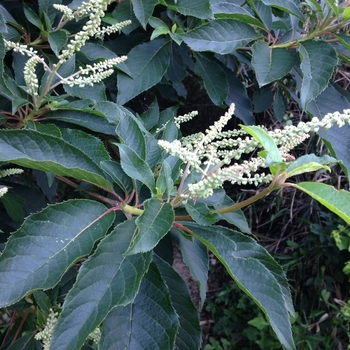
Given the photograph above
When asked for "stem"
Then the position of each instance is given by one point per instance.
(131, 210)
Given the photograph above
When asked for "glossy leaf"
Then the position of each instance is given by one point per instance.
(201, 213)
(265, 140)
(214, 78)
(318, 60)
(255, 272)
(267, 62)
(148, 63)
(115, 171)
(107, 279)
(36, 256)
(149, 322)
(48, 153)
(153, 224)
(336, 201)
(189, 335)
(220, 36)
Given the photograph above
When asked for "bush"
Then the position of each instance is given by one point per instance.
(104, 190)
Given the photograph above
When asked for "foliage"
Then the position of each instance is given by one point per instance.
(106, 190)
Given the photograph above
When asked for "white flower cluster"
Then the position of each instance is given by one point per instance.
(3, 191)
(22, 49)
(45, 335)
(8, 172)
(95, 73)
(211, 154)
(67, 12)
(184, 118)
(30, 76)
(111, 29)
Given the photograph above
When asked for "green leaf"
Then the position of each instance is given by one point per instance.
(153, 224)
(45, 6)
(189, 335)
(221, 36)
(125, 12)
(236, 217)
(96, 93)
(165, 183)
(318, 60)
(148, 63)
(201, 213)
(47, 244)
(131, 135)
(290, 6)
(107, 279)
(255, 272)
(267, 62)
(195, 256)
(265, 140)
(48, 153)
(231, 10)
(214, 78)
(309, 162)
(143, 10)
(336, 201)
(13, 207)
(338, 142)
(31, 16)
(199, 8)
(149, 322)
(346, 14)
(88, 118)
(57, 40)
(115, 171)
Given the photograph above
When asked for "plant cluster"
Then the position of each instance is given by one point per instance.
(111, 190)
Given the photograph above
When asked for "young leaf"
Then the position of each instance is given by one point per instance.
(214, 78)
(267, 62)
(220, 36)
(153, 224)
(148, 63)
(37, 255)
(136, 167)
(107, 279)
(255, 272)
(201, 213)
(149, 322)
(336, 201)
(265, 140)
(318, 60)
(48, 153)
(189, 335)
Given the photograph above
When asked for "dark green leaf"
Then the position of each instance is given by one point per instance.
(125, 12)
(89, 119)
(279, 105)
(45, 6)
(31, 16)
(195, 256)
(189, 335)
(165, 183)
(149, 322)
(13, 207)
(255, 272)
(290, 6)
(37, 255)
(334, 200)
(199, 8)
(143, 10)
(131, 135)
(57, 40)
(318, 59)
(96, 93)
(48, 153)
(136, 167)
(201, 213)
(264, 12)
(214, 78)
(148, 63)
(107, 279)
(221, 36)
(231, 10)
(115, 171)
(153, 224)
(267, 62)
